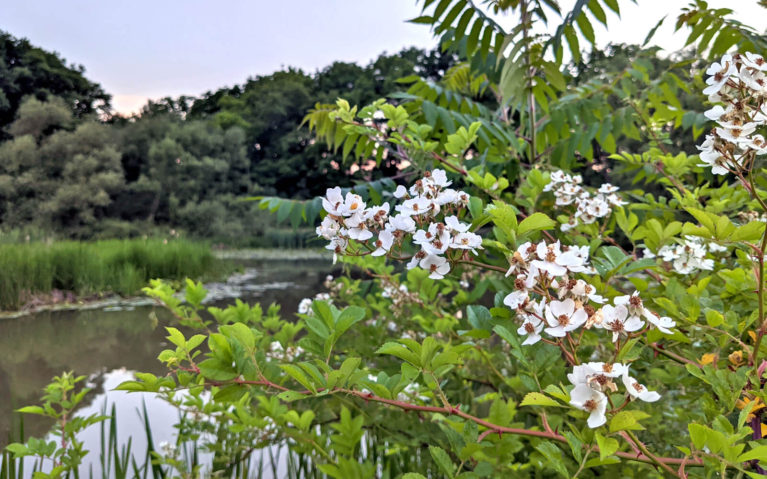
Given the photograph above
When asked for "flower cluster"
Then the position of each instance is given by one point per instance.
(305, 305)
(568, 190)
(549, 299)
(592, 380)
(690, 255)
(739, 82)
(439, 242)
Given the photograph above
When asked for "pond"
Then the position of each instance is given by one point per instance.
(108, 343)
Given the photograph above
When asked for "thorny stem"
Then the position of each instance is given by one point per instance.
(645, 457)
(656, 460)
(760, 279)
(682, 360)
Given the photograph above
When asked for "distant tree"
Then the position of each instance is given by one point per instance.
(28, 70)
(39, 118)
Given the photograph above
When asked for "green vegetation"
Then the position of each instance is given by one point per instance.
(84, 268)
(72, 168)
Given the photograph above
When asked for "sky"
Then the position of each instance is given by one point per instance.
(154, 48)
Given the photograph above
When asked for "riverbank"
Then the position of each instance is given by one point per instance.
(34, 274)
(225, 284)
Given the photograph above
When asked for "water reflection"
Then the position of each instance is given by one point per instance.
(105, 344)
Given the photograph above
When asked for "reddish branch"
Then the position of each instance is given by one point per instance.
(644, 457)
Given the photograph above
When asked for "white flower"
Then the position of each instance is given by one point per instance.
(414, 206)
(736, 133)
(719, 74)
(435, 241)
(305, 306)
(400, 192)
(352, 204)
(329, 228)
(636, 309)
(383, 243)
(469, 241)
(548, 256)
(591, 401)
(518, 261)
(456, 226)
(436, 265)
(714, 113)
(752, 60)
(402, 223)
(357, 229)
(598, 376)
(447, 197)
(516, 299)
(338, 245)
(439, 178)
(531, 327)
(607, 188)
(563, 317)
(711, 157)
(333, 202)
(578, 289)
(638, 391)
(617, 320)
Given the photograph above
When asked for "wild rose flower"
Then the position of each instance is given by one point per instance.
(467, 241)
(383, 243)
(333, 202)
(563, 317)
(638, 391)
(531, 327)
(592, 401)
(617, 320)
(436, 265)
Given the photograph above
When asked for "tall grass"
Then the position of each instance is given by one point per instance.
(83, 268)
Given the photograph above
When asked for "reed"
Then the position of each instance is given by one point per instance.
(88, 268)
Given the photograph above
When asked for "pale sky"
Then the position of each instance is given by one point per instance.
(153, 48)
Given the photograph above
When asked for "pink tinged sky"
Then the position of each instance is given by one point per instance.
(153, 48)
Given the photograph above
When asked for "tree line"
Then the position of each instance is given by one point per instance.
(71, 166)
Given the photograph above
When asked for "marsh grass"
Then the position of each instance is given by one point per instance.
(118, 459)
(87, 268)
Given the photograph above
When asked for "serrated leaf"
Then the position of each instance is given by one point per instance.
(607, 445)
(538, 399)
(535, 222)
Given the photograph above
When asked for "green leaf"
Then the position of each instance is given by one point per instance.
(241, 334)
(290, 396)
(32, 410)
(443, 460)
(698, 435)
(759, 452)
(535, 222)
(607, 445)
(538, 399)
(479, 317)
(626, 420)
(175, 336)
(217, 370)
(296, 373)
(400, 351)
(554, 457)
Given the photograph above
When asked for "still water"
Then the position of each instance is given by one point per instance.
(108, 343)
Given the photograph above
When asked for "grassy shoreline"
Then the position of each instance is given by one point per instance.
(123, 267)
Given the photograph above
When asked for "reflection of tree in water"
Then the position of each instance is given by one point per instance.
(93, 342)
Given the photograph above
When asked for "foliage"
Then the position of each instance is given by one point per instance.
(58, 403)
(121, 267)
(28, 70)
(531, 295)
